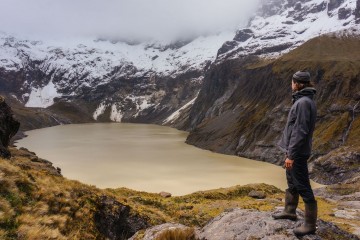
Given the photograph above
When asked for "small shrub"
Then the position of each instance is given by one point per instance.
(177, 234)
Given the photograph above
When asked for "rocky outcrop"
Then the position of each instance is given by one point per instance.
(166, 231)
(8, 128)
(241, 224)
(114, 220)
(336, 166)
(227, 47)
(357, 11)
(243, 35)
(344, 13)
(333, 4)
(248, 224)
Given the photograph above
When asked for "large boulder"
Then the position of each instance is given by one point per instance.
(8, 128)
(166, 231)
(115, 221)
(241, 224)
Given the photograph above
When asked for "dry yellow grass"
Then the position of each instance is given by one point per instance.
(36, 203)
(177, 234)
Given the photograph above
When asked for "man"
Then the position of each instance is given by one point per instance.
(296, 142)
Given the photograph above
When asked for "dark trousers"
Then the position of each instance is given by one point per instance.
(298, 180)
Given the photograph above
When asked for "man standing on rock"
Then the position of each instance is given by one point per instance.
(296, 142)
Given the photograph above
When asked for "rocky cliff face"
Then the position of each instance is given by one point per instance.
(8, 128)
(239, 224)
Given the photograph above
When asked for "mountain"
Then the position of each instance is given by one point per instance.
(117, 80)
(109, 81)
(282, 25)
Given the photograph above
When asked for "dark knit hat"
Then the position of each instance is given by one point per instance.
(301, 77)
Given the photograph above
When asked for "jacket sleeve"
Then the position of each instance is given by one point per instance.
(300, 131)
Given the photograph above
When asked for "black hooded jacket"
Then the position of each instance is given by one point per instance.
(296, 140)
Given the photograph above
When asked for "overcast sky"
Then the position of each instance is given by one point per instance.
(160, 19)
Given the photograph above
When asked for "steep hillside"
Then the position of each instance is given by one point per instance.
(243, 105)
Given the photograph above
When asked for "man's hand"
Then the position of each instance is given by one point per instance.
(288, 164)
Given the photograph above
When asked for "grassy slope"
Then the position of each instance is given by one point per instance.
(38, 203)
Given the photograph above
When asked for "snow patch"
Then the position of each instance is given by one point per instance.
(43, 97)
(115, 114)
(141, 102)
(99, 111)
(173, 117)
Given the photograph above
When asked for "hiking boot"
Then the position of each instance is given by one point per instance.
(309, 227)
(291, 203)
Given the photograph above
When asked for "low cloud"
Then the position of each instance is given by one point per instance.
(123, 19)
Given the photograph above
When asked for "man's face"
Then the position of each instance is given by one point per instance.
(293, 86)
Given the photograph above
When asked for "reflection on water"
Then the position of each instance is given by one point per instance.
(144, 157)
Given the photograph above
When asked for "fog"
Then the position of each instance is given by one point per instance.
(123, 19)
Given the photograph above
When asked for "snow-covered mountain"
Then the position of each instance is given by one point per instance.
(88, 64)
(282, 25)
(120, 81)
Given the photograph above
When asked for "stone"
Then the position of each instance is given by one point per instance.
(114, 220)
(333, 4)
(257, 194)
(344, 13)
(226, 47)
(336, 166)
(165, 194)
(357, 10)
(156, 231)
(8, 128)
(243, 35)
(241, 224)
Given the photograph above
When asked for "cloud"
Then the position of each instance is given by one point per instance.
(128, 19)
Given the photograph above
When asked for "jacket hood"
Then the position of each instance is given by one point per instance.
(306, 92)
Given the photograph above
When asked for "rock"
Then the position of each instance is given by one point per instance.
(114, 221)
(336, 166)
(257, 194)
(318, 8)
(157, 231)
(333, 4)
(344, 13)
(8, 128)
(243, 35)
(248, 224)
(357, 10)
(226, 47)
(165, 194)
(297, 6)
